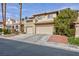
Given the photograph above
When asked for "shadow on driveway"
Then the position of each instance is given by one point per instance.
(16, 48)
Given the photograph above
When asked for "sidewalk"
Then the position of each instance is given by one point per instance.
(15, 37)
(55, 45)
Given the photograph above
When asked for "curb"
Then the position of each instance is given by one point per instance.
(67, 47)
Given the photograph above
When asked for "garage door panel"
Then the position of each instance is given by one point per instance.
(44, 29)
(29, 30)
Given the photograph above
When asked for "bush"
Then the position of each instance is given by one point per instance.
(7, 31)
(64, 22)
(0, 29)
(73, 40)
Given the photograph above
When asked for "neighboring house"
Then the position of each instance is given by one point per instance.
(13, 25)
(43, 24)
(1, 24)
(1, 27)
(17, 25)
(9, 23)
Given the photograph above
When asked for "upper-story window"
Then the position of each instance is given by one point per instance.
(40, 17)
(50, 16)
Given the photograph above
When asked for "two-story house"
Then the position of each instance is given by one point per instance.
(44, 24)
(41, 23)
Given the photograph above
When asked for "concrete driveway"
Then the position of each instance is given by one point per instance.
(17, 48)
(30, 37)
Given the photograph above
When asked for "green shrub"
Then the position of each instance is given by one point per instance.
(73, 40)
(64, 22)
(0, 29)
(7, 31)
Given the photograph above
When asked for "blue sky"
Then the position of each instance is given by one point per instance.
(33, 8)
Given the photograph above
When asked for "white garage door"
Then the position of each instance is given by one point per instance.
(29, 30)
(44, 29)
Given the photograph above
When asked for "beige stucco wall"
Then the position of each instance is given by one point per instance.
(54, 15)
(29, 23)
(46, 17)
(25, 26)
(31, 26)
(76, 30)
(77, 27)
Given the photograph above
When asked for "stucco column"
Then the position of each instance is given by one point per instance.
(18, 28)
(25, 26)
(77, 30)
(34, 26)
(53, 29)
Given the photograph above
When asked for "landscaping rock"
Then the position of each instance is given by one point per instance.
(58, 38)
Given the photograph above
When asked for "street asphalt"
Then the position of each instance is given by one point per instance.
(17, 48)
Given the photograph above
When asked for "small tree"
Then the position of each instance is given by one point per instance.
(64, 22)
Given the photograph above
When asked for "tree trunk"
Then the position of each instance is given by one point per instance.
(4, 16)
(20, 17)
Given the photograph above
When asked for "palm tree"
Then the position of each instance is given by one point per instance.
(20, 16)
(4, 16)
